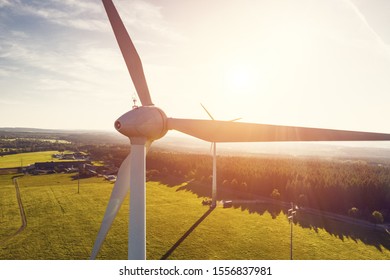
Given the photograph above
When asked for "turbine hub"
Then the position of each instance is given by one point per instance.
(145, 121)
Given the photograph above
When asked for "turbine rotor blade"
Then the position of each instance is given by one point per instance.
(119, 192)
(223, 131)
(129, 53)
(208, 113)
(234, 120)
(211, 117)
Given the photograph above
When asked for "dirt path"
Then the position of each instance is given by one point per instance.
(22, 213)
(21, 209)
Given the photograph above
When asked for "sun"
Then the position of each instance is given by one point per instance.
(240, 78)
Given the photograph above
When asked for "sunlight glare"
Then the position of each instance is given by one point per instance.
(240, 78)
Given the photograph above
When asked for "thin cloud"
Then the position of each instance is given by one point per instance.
(5, 72)
(82, 6)
(77, 14)
(371, 30)
(9, 102)
(147, 17)
(4, 3)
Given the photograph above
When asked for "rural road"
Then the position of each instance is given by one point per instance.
(21, 209)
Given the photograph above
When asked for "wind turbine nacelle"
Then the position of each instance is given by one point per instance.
(146, 121)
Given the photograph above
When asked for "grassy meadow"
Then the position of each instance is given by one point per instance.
(10, 220)
(62, 224)
(25, 159)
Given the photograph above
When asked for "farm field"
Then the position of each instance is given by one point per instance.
(25, 159)
(62, 224)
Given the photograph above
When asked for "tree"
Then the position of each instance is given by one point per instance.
(302, 200)
(377, 217)
(234, 183)
(275, 194)
(353, 212)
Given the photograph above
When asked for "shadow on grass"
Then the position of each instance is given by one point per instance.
(185, 235)
(369, 235)
(168, 180)
(315, 221)
(76, 176)
(344, 230)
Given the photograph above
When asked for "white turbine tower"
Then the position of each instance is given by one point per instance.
(144, 124)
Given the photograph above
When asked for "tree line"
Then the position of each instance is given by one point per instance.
(22, 145)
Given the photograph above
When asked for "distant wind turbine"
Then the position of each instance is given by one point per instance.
(214, 176)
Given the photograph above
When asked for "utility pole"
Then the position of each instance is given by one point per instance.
(78, 182)
(214, 183)
(291, 213)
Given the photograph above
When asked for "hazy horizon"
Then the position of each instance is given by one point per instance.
(179, 142)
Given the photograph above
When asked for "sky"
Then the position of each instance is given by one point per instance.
(313, 63)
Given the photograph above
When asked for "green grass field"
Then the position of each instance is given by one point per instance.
(25, 159)
(62, 224)
(10, 220)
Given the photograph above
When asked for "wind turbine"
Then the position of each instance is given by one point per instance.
(144, 124)
(214, 176)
